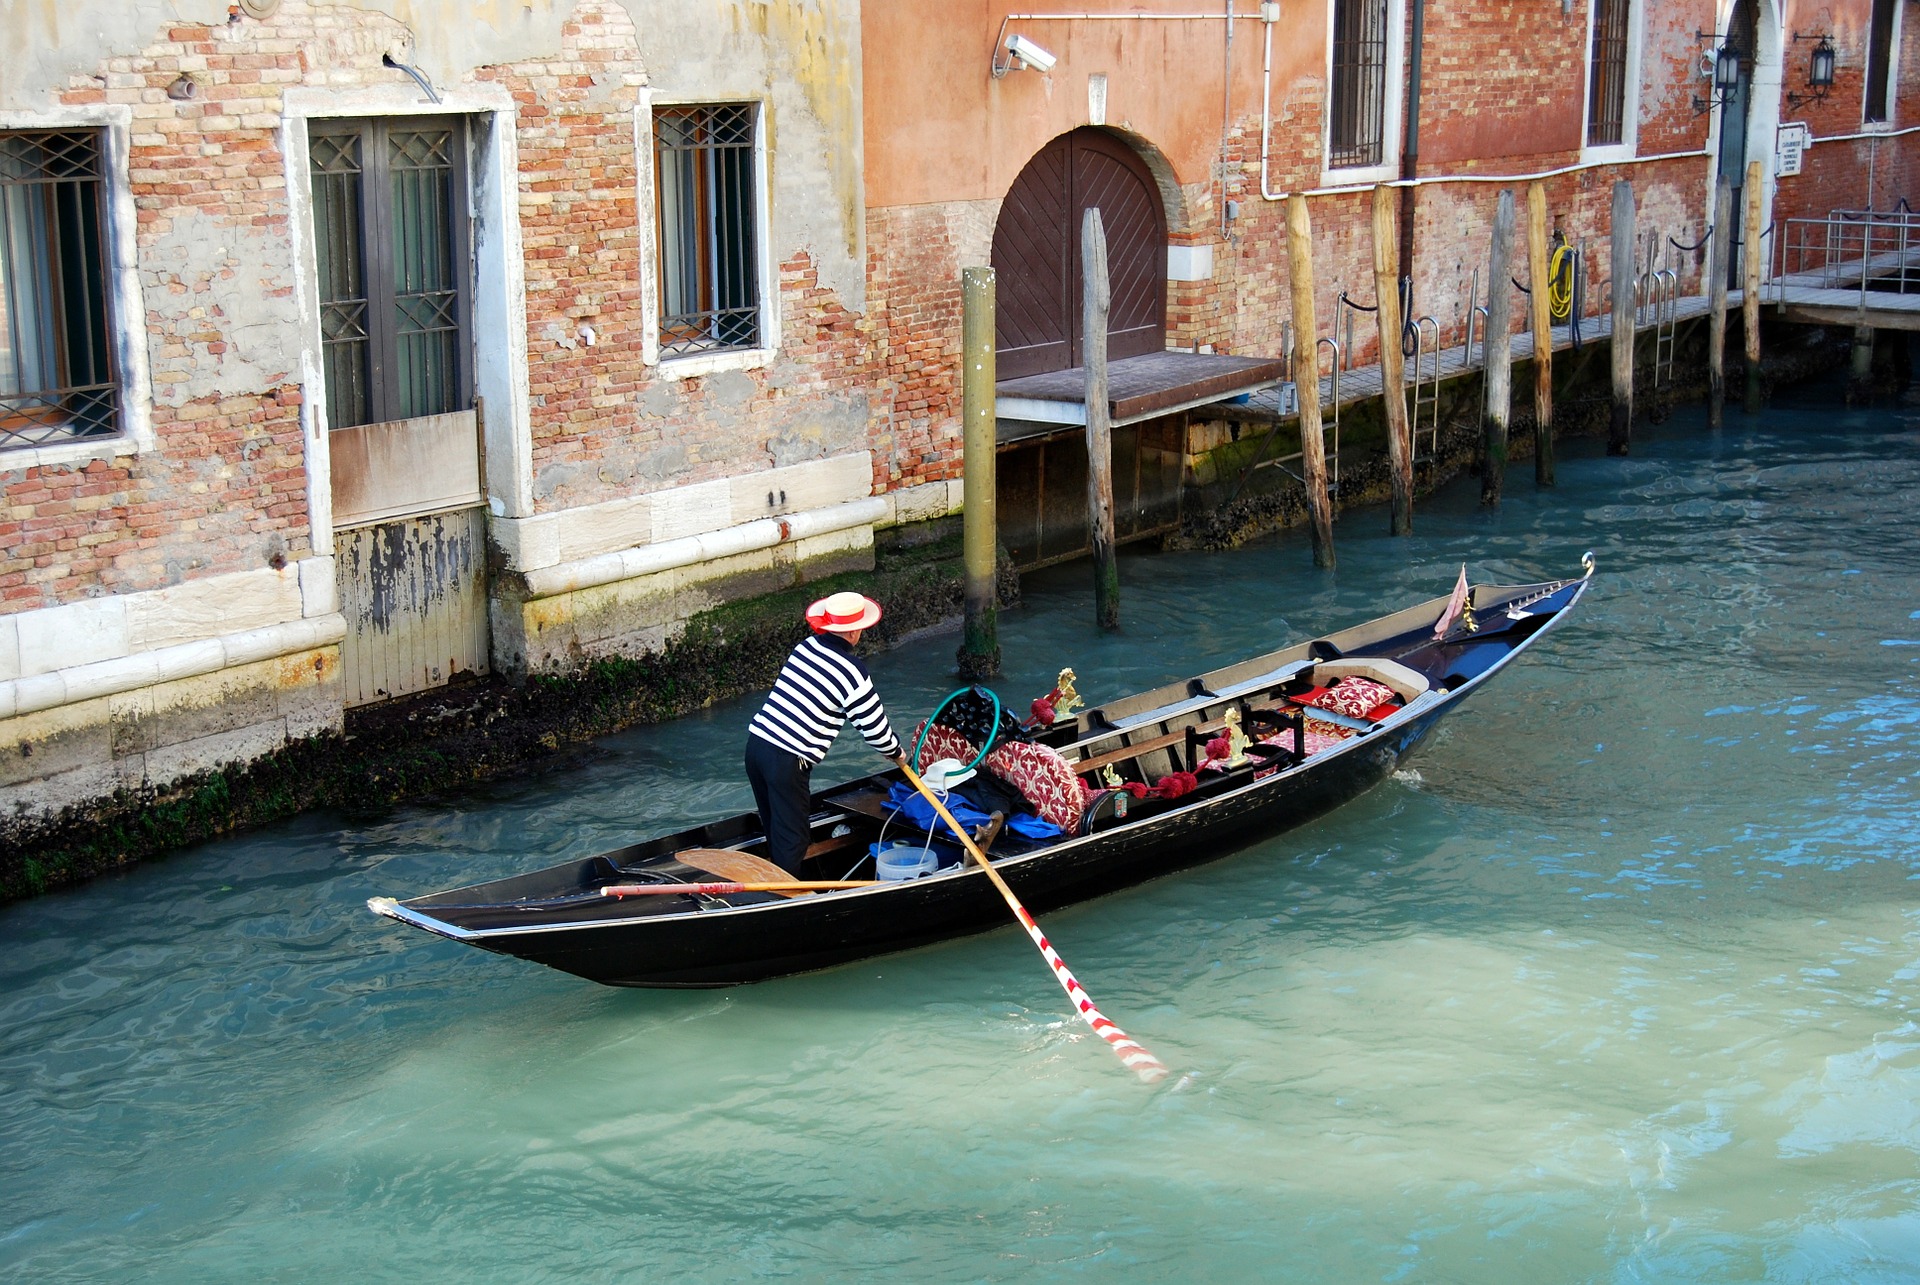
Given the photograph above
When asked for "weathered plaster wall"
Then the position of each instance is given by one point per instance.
(606, 421)
(53, 40)
(229, 481)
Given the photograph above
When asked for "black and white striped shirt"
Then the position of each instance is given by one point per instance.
(822, 685)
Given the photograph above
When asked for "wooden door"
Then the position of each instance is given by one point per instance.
(414, 592)
(1036, 254)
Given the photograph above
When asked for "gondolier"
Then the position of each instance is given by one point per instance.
(822, 685)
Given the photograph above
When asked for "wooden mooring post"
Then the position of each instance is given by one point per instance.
(1750, 288)
(1538, 278)
(1620, 427)
(1097, 301)
(1306, 377)
(979, 655)
(1393, 384)
(1860, 367)
(1498, 408)
(1719, 263)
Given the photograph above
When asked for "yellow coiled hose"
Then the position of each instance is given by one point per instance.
(1560, 282)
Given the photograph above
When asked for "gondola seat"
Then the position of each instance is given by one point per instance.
(1406, 683)
(1036, 772)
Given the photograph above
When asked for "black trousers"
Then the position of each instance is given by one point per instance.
(782, 782)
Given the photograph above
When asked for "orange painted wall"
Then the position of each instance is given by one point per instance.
(938, 128)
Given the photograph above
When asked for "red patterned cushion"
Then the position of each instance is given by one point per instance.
(1045, 780)
(1042, 777)
(1354, 697)
(1319, 736)
(943, 743)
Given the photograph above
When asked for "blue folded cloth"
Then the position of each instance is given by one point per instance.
(913, 806)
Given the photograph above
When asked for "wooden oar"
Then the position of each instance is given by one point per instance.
(725, 889)
(742, 867)
(1144, 1064)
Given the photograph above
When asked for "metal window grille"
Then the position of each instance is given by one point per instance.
(1357, 103)
(390, 238)
(57, 371)
(707, 214)
(1879, 106)
(1607, 75)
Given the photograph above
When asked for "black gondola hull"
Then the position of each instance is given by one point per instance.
(555, 917)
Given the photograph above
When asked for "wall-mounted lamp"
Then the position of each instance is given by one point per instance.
(1727, 60)
(182, 89)
(1820, 69)
(1022, 55)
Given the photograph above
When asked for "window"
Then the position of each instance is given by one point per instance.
(57, 375)
(390, 237)
(1607, 74)
(1880, 34)
(704, 193)
(1357, 99)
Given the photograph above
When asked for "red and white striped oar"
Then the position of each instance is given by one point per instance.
(726, 889)
(1144, 1064)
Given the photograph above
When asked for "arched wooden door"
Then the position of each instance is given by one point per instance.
(1036, 254)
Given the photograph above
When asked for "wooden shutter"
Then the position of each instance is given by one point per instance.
(1036, 254)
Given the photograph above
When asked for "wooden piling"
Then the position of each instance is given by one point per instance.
(1860, 368)
(1306, 378)
(1097, 301)
(979, 655)
(1497, 411)
(1537, 273)
(1620, 428)
(1719, 261)
(1750, 287)
(1393, 386)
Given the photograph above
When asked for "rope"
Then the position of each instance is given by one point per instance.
(1689, 249)
(1357, 307)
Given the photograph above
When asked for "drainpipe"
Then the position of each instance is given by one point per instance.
(1410, 148)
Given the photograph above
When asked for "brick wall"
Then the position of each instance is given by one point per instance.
(224, 490)
(1501, 80)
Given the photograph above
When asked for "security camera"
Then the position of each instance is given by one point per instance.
(1030, 54)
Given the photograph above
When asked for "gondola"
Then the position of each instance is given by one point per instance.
(1160, 796)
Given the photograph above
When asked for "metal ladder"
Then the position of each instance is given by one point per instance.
(1424, 396)
(1327, 425)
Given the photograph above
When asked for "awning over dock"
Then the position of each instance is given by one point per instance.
(1138, 388)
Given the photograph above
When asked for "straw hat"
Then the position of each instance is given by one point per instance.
(843, 613)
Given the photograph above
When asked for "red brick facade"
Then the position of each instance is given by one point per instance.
(224, 485)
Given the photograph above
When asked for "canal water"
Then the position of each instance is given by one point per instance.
(1615, 982)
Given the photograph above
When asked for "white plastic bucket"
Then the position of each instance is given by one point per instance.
(904, 861)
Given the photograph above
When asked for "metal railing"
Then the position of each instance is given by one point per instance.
(1873, 252)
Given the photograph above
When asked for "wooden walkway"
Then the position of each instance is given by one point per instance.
(1843, 294)
(1364, 383)
(1839, 306)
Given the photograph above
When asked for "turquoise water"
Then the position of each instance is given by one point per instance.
(1616, 982)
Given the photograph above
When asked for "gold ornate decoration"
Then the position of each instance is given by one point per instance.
(1069, 699)
(1237, 741)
